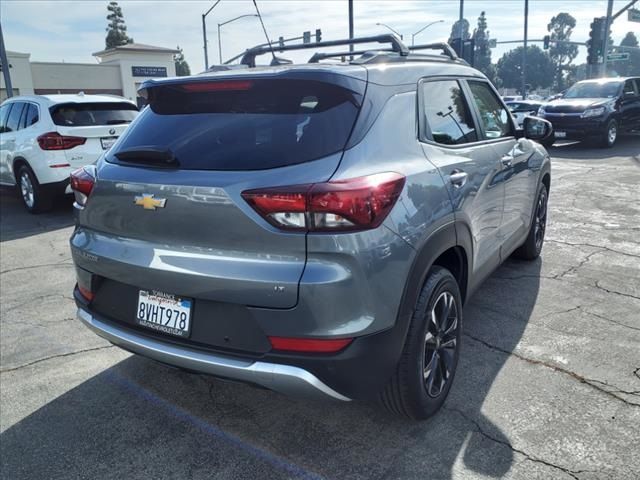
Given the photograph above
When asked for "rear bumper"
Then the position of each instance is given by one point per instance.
(286, 379)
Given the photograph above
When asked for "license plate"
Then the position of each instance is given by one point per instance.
(107, 142)
(164, 312)
(560, 134)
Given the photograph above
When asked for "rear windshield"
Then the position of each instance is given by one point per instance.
(244, 124)
(89, 114)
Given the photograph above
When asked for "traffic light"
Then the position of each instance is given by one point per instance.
(318, 35)
(545, 42)
(595, 44)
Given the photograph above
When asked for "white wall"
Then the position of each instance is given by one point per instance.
(20, 71)
(73, 77)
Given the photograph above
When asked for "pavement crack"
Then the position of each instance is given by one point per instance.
(602, 247)
(573, 268)
(597, 285)
(44, 265)
(51, 357)
(602, 317)
(34, 299)
(572, 473)
(587, 381)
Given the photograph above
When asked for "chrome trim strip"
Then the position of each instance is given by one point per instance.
(285, 379)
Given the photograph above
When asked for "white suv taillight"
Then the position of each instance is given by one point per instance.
(342, 205)
(55, 141)
(82, 181)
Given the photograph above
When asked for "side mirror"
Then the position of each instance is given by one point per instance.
(537, 129)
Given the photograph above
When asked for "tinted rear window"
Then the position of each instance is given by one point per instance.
(89, 114)
(244, 125)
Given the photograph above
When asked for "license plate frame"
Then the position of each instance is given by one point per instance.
(164, 312)
(560, 134)
(107, 142)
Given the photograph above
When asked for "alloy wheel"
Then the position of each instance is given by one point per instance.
(441, 341)
(541, 219)
(612, 133)
(27, 190)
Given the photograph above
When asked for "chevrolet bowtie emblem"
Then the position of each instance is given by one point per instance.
(147, 201)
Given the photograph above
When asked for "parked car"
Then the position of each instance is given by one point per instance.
(598, 110)
(313, 229)
(523, 108)
(44, 137)
(512, 98)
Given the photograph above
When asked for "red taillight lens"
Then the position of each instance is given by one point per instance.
(82, 181)
(55, 141)
(87, 294)
(344, 205)
(310, 345)
(227, 86)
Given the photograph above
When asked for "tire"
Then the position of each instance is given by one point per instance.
(33, 196)
(532, 246)
(415, 390)
(610, 134)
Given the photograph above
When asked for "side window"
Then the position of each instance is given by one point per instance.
(4, 113)
(629, 87)
(14, 117)
(30, 116)
(493, 115)
(447, 114)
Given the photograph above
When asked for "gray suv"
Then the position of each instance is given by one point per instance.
(314, 229)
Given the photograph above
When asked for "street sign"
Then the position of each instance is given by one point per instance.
(633, 15)
(612, 57)
(493, 42)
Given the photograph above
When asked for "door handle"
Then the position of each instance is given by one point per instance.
(507, 160)
(458, 178)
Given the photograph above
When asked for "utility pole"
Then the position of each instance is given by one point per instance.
(204, 35)
(607, 27)
(460, 29)
(524, 51)
(351, 25)
(5, 65)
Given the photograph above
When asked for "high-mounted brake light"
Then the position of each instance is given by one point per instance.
(309, 345)
(343, 205)
(226, 86)
(82, 182)
(55, 141)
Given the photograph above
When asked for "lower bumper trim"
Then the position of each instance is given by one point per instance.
(285, 379)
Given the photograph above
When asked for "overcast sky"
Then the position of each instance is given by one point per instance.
(59, 30)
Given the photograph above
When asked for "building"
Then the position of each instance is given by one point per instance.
(118, 71)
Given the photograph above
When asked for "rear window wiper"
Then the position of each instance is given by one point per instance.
(161, 157)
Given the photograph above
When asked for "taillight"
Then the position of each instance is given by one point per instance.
(82, 181)
(343, 205)
(86, 293)
(309, 345)
(55, 141)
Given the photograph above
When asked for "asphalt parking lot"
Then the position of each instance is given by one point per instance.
(548, 385)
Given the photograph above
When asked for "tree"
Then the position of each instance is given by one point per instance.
(560, 29)
(182, 67)
(540, 68)
(629, 67)
(482, 49)
(455, 31)
(117, 30)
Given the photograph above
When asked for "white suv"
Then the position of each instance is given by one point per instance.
(44, 137)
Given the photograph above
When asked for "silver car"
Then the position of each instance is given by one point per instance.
(315, 228)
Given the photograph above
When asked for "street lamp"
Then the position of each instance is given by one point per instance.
(204, 35)
(413, 36)
(394, 31)
(224, 23)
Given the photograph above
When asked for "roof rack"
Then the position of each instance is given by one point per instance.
(444, 47)
(249, 57)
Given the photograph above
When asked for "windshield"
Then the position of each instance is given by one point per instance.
(91, 114)
(593, 90)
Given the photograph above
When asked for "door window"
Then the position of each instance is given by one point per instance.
(447, 114)
(494, 117)
(629, 88)
(14, 117)
(4, 113)
(30, 115)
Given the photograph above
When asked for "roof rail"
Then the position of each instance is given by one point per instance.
(444, 47)
(249, 57)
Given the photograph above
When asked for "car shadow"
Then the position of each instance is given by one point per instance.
(17, 223)
(626, 146)
(141, 419)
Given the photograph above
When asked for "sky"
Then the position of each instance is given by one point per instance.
(70, 31)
